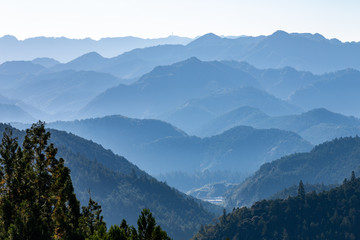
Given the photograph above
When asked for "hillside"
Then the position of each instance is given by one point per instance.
(327, 163)
(152, 143)
(20, 68)
(197, 112)
(129, 65)
(241, 116)
(34, 112)
(293, 190)
(60, 92)
(315, 126)
(119, 133)
(333, 214)
(336, 92)
(64, 49)
(167, 87)
(45, 62)
(124, 190)
(280, 82)
(13, 113)
(307, 52)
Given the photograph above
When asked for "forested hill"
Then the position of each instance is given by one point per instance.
(334, 214)
(327, 163)
(122, 189)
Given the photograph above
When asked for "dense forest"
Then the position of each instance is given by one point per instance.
(37, 199)
(333, 214)
(327, 163)
(122, 189)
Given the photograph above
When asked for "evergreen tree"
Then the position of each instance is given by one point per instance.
(147, 229)
(301, 190)
(91, 220)
(37, 199)
(353, 176)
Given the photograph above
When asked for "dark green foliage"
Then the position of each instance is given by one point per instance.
(333, 214)
(293, 190)
(301, 190)
(327, 163)
(37, 199)
(122, 189)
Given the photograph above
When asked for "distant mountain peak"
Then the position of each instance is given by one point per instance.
(318, 110)
(210, 36)
(191, 60)
(169, 68)
(186, 63)
(207, 39)
(280, 33)
(314, 37)
(88, 61)
(45, 62)
(91, 55)
(20, 67)
(9, 37)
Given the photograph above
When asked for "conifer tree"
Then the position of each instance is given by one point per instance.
(37, 198)
(301, 190)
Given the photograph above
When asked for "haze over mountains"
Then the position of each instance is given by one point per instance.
(166, 87)
(316, 126)
(123, 189)
(301, 51)
(65, 49)
(299, 88)
(230, 119)
(152, 143)
(327, 163)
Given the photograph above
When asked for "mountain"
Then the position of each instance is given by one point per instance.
(123, 190)
(306, 52)
(208, 108)
(333, 214)
(64, 49)
(91, 61)
(119, 133)
(282, 82)
(166, 87)
(13, 113)
(246, 116)
(12, 73)
(327, 163)
(20, 68)
(58, 92)
(30, 110)
(337, 92)
(317, 54)
(240, 149)
(129, 65)
(315, 126)
(152, 143)
(46, 62)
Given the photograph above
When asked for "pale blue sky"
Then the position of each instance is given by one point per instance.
(159, 18)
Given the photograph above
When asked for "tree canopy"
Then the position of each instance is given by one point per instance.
(37, 199)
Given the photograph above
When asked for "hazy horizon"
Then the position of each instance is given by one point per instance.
(145, 19)
(169, 36)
